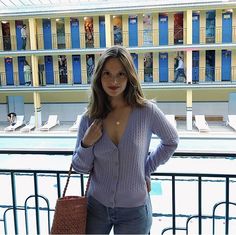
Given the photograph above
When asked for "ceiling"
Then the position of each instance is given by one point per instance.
(33, 3)
(18, 8)
(36, 3)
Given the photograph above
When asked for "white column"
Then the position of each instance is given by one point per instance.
(189, 110)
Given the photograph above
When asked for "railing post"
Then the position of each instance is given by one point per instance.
(82, 184)
(36, 203)
(227, 206)
(199, 205)
(58, 186)
(13, 189)
(173, 205)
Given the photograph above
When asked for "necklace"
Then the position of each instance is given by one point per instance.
(117, 123)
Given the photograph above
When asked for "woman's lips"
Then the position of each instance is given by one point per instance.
(113, 87)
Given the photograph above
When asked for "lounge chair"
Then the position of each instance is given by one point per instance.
(75, 125)
(29, 126)
(19, 123)
(200, 123)
(52, 121)
(231, 121)
(171, 119)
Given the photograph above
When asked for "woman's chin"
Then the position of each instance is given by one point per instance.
(114, 94)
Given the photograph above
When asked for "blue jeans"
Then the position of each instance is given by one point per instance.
(23, 43)
(179, 72)
(134, 220)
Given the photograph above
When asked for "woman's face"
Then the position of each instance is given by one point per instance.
(114, 78)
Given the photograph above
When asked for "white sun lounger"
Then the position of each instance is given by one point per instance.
(30, 125)
(52, 121)
(171, 119)
(75, 125)
(19, 123)
(231, 121)
(200, 123)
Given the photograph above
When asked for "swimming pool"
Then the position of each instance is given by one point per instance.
(67, 143)
(38, 143)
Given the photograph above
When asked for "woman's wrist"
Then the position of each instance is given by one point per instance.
(84, 145)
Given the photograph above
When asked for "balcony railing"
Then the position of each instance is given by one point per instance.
(66, 77)
(190, 203)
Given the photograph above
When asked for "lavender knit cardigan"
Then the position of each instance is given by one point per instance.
(120, 171)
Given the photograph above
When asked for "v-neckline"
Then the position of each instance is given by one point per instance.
(124, 133)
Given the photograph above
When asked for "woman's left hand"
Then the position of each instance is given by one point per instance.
(148, 184)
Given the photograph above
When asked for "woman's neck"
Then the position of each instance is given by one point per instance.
(118, 103)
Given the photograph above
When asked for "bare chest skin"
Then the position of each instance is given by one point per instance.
(116, 122)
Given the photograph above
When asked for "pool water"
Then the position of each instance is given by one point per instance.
(156, 188)
(198, 145)
(33, 143)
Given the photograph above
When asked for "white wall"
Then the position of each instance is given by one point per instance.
(3, 112)
(214, 109)
(207, 108)
(65, 112)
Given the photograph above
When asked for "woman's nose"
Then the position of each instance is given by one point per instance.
(115, 80)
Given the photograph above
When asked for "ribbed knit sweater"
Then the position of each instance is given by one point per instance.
(120, 171)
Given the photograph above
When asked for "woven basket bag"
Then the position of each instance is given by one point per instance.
(70, 212)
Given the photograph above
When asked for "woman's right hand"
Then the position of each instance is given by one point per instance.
(93, 133)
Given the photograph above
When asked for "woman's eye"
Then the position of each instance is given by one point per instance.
(122, 74)
(105, 74)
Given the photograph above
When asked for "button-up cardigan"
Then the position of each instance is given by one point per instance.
(120, 171)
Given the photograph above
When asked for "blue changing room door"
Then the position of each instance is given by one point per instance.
(19, 25)
(133, 31)
(9, 71)
(21, 61)
(75, 37)
(76, 69)
(163, 67)
(49, 69)
(227, 27)
(210, 66)
(47, 34)
(163, 29)
(226, 65)
(195, 70)
(196, 28)
(102, 32)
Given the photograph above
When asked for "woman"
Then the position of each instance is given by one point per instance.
(23, 37)
(179, 71)
(113, 143)
(11, 117)
(27, 74)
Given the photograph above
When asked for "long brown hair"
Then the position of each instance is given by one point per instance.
(99, 105)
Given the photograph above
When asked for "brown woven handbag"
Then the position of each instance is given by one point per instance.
(70, 212)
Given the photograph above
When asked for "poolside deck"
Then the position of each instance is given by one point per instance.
(217, 129)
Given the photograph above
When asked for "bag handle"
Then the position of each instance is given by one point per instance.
(68, 179)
